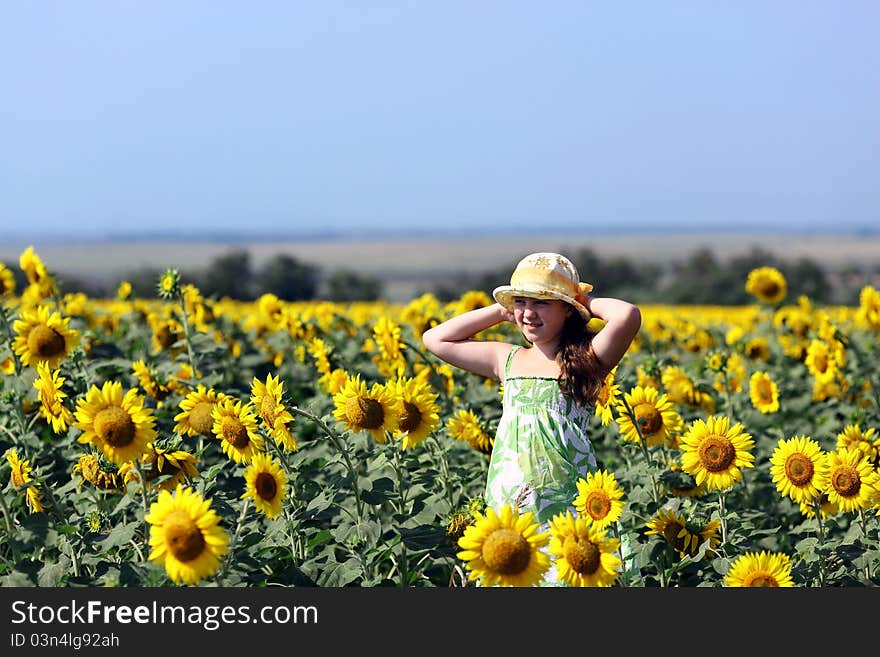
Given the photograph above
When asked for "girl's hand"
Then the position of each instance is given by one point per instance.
(506, 315)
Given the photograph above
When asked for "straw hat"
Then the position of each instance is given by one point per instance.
(545, 276)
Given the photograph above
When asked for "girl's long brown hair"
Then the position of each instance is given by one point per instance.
(583, 374)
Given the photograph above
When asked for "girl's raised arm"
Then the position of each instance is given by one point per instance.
(622, 322)
(452, 341)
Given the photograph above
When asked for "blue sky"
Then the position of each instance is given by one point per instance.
(348, 116)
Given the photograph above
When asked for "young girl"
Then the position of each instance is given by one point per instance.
(541, 445)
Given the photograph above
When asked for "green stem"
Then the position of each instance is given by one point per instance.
(722, 512)
(232, 543)
(624, 577)
(6, 517)
(338, 444)
(11, 337)
(864, 524)
(401, 509)
(644, 445)
(186, 334)
(444, 469)
(144, 493)
(817, 506)
(22, 423)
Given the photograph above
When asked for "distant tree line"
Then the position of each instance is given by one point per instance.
(699, 279)
(234, 275)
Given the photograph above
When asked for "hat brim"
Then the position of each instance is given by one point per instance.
(505, 294)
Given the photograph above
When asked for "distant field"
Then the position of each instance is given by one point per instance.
(407, 265)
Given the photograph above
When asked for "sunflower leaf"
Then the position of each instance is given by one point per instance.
(340, 574)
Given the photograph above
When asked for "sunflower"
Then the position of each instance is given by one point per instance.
(153, 385)
(333, 381)
(166, 334)
(236, 426)
(868, 313)
(52, 406)
(195, 416)
(585, 554)
(684, 537)
(715, 452)
(462, 518)
(120, 426)
(826, 507)
(7, 281)
(266, 484)
(465, 425)
(123, 291)
(655, 417)
(504, 548)
(821, 361)
(762, 568)
(375, 411)
(799, 469)
(35, 270)
(852, 481)
(607, 399)
(319, 352)
(267, 398)
(763, 392)
(177, 464)
(757, 349)
(185, 535)
(168, 285)
(680, 388)
(767, 284)
(419, 412)
(43, 337)
(390, 360)
(21, 476)
(599, 498)
(103, 474)
(852, 437)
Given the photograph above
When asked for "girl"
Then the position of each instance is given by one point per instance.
(541, 445)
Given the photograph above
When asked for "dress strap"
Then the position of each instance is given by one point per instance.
(510, 354)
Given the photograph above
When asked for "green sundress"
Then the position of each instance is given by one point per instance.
(541, 450)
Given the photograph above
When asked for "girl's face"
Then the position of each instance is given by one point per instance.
(540, 320)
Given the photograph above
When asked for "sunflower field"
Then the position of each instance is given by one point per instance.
(191, 441)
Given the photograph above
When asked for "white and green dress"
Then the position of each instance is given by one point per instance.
(541, 450)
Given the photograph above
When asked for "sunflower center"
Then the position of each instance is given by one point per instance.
(200, 418)
(114, 426)
(411, 418)
(799, 469)
(581, 554)
(846, 482)
(765, 392)
(506, 551)
(604, 394)
(671, 534)
(184, 538)
(717, 453)
(234, 432)
(598, 505)
(649, 419)
(769, 288)
(760, 579)
(45, 342)
(266, 486)
(267, 410)
(166, 336)
(365, 412)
